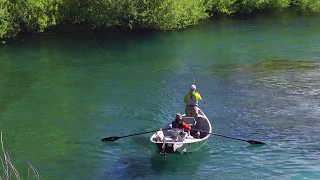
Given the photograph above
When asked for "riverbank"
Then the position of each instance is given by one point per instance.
(69, 27)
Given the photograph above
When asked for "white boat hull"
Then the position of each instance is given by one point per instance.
(180, 148)
(166, 144)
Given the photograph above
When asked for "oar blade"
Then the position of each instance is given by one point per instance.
(255, 142)
(114, 138)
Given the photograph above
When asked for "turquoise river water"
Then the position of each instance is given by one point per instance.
(259, 79)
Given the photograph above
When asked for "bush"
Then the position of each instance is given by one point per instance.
(245, 6)
(155, 14)
(38, 15)
(313, 5)
(27, 16)
(5, 19)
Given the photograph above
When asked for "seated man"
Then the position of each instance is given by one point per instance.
(180, 126)
(178, 123)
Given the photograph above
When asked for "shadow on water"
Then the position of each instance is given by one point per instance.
(145, 165)
(177, 162)
(253, 146)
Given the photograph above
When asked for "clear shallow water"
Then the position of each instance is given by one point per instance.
(259, 78)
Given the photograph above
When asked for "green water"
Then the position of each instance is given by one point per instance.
(259, 79)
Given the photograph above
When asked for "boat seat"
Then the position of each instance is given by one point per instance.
(189, 120)
(168, 139)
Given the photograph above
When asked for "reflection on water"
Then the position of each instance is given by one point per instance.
(177, 162)
(140, 166)
(293, 77)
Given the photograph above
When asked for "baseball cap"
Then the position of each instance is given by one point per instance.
(193, 87)
(178, 116)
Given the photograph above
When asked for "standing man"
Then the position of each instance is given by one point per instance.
(192, 99)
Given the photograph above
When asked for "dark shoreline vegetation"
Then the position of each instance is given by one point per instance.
(23, 17)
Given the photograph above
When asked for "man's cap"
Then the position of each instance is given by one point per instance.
(178, 116)
(193, 87)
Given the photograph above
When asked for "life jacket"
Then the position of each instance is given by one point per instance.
(177, 124)
(192, 101)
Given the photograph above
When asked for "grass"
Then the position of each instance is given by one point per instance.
(9, 171)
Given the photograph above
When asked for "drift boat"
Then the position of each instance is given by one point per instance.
(170, 140)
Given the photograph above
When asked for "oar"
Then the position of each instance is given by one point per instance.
(114, 138)
(248, 141)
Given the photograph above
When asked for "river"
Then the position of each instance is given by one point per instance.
(259, 79)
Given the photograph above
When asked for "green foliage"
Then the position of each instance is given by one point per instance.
(222, 6)
(26, 15)
(307, 4)
(38, 15)
(248, 6)
(5, 19)
(245, 6)
(156, 14)
(165, 14)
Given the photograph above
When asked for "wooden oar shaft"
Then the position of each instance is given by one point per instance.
(227, 136)
(114, 138)
(138, 133)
